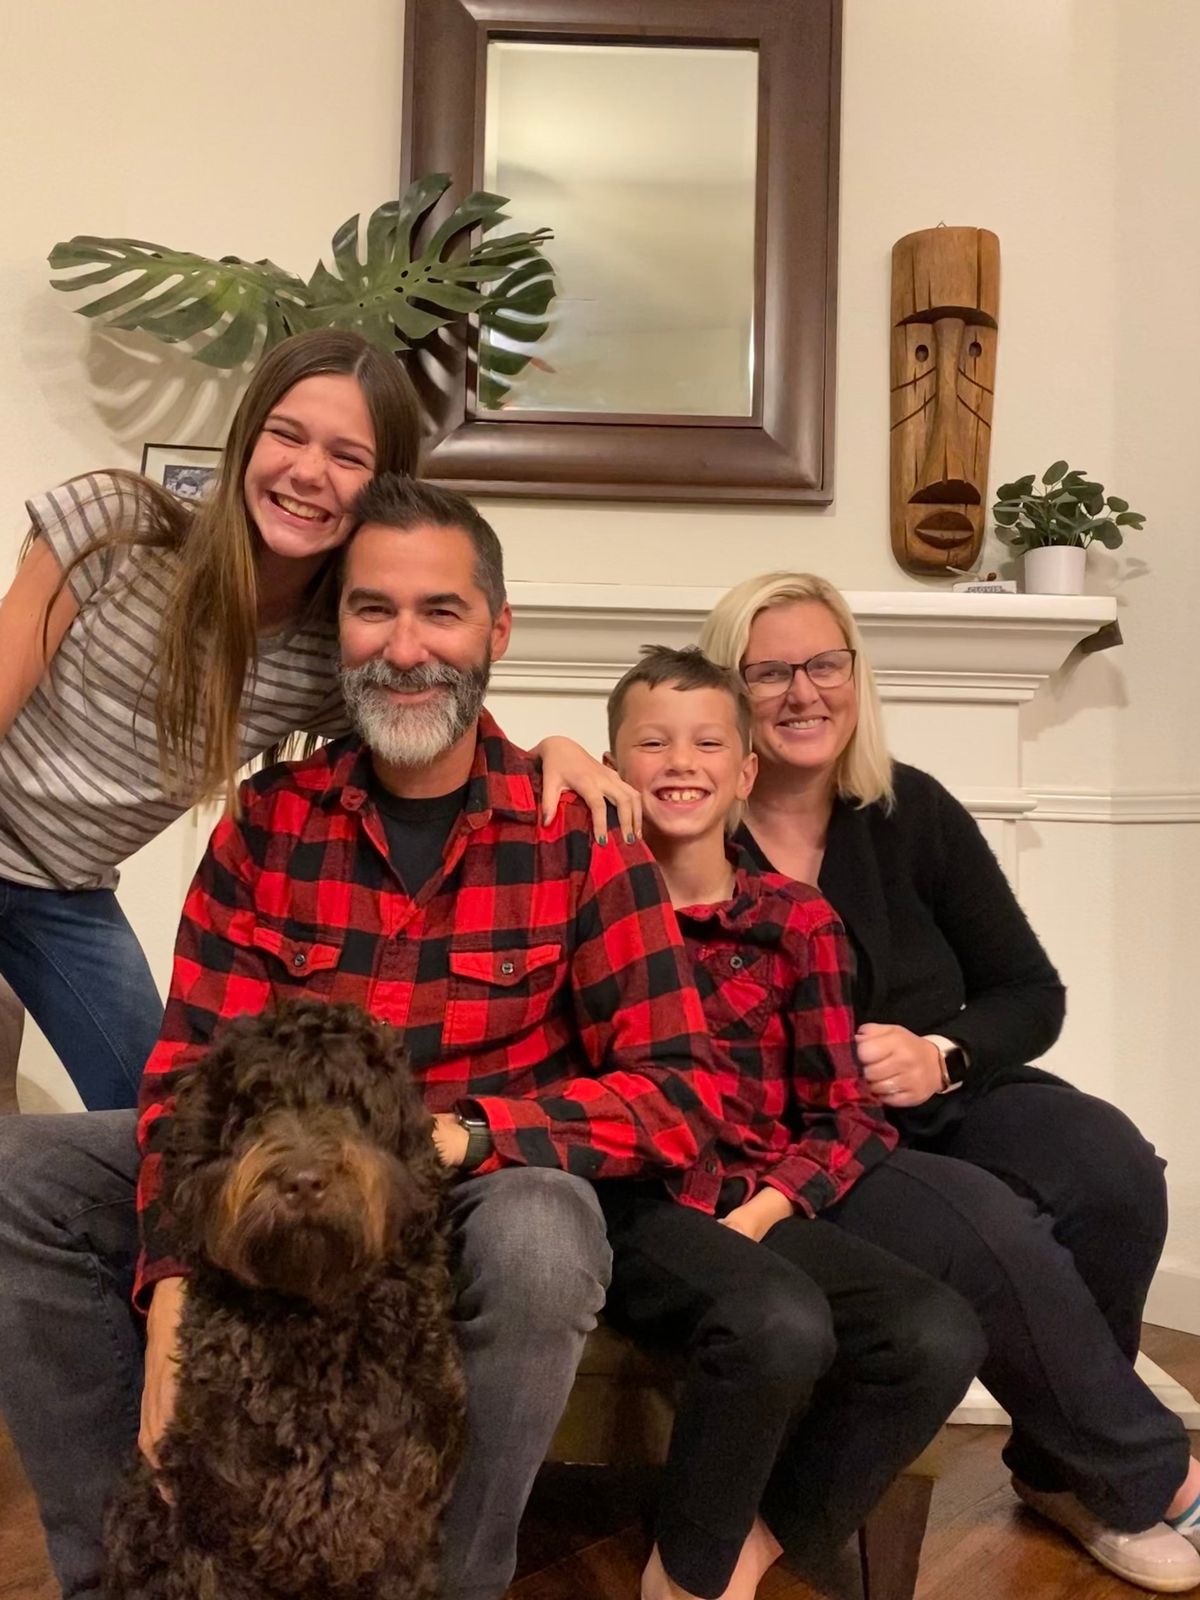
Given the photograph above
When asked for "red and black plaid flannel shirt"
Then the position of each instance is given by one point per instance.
(537, 974)
(773, 966)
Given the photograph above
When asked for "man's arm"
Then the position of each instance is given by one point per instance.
(651, 1103)
(161, 1366)
(217, 974)
(843, 1129)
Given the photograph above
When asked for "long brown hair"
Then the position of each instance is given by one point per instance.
(209, 635)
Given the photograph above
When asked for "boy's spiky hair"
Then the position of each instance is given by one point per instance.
(660, 667)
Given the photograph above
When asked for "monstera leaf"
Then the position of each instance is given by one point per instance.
(382, 288)
(511, 321)
(175, 295)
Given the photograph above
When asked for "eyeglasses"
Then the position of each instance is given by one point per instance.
(829, 670)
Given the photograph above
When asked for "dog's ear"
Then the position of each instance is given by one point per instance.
(413, 1125)
(365, 1064)
(204, 1101)
(371, 1066)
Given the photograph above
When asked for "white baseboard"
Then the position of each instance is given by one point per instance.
(1174, 1300)
(978, 1406)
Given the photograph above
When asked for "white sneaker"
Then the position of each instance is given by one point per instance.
(1158, 1559)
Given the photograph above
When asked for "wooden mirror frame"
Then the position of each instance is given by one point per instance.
(783, 451)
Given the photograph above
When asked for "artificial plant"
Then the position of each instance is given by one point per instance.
(391, 287)
(1068, 509)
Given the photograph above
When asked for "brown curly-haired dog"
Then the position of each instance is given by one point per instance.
(319, 1416)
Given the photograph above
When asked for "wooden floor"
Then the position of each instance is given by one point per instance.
(584, 1537)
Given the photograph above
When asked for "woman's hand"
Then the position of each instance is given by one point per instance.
(162, 1367)
(760, 1214)
(567, 765)
(902, 1068)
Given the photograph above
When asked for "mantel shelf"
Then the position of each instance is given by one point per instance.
(924, 644)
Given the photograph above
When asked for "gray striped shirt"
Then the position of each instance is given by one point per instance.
(79, 782)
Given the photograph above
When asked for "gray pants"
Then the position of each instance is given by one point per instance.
(533, 1265)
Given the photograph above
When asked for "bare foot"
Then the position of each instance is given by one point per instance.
(1189, 1489)
(759, 1554)
(656, 1585)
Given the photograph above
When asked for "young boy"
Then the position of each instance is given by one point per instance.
(818, 1366)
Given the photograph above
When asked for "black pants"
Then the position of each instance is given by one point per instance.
(1047, 1209)
(818, 1367)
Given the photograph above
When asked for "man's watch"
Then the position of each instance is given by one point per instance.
(955, 1062)
(479, 1139)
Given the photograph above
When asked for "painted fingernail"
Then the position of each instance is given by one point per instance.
(631, 838)
(601, 838)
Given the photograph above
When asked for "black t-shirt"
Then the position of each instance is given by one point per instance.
(417, 831)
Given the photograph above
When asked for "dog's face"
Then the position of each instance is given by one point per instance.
(301, 1152)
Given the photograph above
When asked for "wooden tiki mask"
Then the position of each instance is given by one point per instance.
(945, 306)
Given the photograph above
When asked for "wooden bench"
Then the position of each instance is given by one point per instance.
(620, 1414)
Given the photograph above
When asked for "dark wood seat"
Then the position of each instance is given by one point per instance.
(620, 1414)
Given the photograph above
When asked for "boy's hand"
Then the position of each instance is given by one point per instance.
(759, 1215)
(901, 1067)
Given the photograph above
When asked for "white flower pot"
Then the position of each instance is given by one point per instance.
(1055, 569)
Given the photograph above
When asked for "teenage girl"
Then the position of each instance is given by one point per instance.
(151, 649)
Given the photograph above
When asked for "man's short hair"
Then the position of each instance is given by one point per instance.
(394, 501)
(660, 666)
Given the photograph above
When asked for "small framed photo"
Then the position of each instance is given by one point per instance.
(187, 470)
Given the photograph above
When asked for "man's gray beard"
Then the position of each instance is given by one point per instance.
(414, 736)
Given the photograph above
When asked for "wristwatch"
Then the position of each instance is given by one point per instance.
(479, 1139)
(954, 1062)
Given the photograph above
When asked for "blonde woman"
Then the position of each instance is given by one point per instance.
(1042, 1205)
(151, 649)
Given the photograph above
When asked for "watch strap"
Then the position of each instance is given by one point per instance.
(954, 1062)
(479, 1139)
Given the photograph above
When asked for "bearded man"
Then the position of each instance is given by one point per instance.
(545, 999)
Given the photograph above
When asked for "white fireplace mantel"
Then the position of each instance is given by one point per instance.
(579, 638)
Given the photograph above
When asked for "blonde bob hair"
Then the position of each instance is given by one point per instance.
(864, 769)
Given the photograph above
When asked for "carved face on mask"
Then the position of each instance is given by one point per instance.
(945, 304)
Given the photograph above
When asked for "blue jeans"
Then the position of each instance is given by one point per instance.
(76, 966)
(532, 1267)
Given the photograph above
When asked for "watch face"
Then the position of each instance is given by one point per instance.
(956, 1065)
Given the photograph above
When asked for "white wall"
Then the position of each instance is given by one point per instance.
(1070, 127)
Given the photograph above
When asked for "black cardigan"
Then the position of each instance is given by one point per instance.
(941, 943)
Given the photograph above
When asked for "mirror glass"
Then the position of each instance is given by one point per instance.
(642, 162)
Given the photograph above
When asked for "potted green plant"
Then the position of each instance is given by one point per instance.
(387, 282)
(1054, 525)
